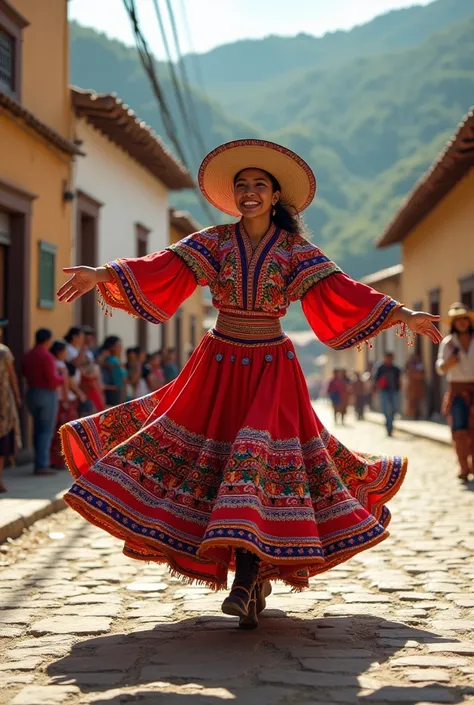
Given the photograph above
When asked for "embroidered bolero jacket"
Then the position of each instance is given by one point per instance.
(285, 267)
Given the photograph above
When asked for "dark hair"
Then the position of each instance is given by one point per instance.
(71, 369)
(57, 347)
(454, 329)
(43, 335)
(110, 341)
(285, 216)
(71, 333)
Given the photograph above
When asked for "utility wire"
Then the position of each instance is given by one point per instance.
(183, 71)
(192, 52)
(183, 108)
(149, 65)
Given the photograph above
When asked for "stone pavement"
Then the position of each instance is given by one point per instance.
(82, 624)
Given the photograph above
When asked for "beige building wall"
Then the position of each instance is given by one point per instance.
(437, 255)
(440, 250)
(45, 62)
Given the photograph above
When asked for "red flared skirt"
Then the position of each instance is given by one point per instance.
(231, 454)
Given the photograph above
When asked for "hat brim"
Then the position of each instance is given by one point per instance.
(217, 172)
(452, 316)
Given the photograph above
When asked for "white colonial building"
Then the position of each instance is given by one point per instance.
(121, 201)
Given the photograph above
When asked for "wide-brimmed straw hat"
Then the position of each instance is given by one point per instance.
(458, 310)
(218, 170)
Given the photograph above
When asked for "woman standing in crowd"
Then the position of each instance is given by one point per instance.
(157, 376)
(114, 375)
(10, 400)
(229, 466)
(170, 365)
(338, 394)
(69, 396)
(456, 361)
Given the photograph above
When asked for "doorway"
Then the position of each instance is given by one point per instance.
(15, 207)
(87, 234)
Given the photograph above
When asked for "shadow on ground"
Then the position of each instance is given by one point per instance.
(208, 660)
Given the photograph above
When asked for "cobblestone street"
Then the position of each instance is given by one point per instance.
(82, 624)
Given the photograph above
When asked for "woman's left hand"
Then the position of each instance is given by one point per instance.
(423, 324)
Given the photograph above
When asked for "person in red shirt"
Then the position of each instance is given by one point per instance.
(40, 372)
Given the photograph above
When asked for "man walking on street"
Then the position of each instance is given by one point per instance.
(40, 373)
(388, 383)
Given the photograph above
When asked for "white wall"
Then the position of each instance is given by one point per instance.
(130, 195)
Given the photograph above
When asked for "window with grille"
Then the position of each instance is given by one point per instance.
(46, 275)
(7, 61)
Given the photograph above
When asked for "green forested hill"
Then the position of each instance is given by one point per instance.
(249, 65)
(369, 109)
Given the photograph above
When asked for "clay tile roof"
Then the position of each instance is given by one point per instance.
(121, 125)
(383, 274)
(11, 106)
(183, 221)
(450, 167)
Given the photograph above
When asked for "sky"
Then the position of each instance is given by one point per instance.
(215, 22)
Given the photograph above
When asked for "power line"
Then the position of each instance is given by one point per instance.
(183, 108)
(183, 71)
(148, 63)
(192, 52)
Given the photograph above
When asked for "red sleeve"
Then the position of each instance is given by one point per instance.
(344, 313)
(151, 287)
(53, 380)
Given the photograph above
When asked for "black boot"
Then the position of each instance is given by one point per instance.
(246, 573)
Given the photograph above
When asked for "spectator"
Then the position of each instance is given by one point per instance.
(145, 383)
(67, 400)
(91, 384)
(10, 400)
(415, 386)
(76, 350)
(133, 372)
(387, 380)
(170, 365)
(338, 394)
(113, 373)
(157, 377)
(39, 370)
(456, 361)
(358, 390)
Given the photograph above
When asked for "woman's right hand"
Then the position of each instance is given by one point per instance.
(83, 279)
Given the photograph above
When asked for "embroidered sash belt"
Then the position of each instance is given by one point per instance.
(248, 330)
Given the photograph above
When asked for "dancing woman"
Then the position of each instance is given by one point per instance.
(228, 465)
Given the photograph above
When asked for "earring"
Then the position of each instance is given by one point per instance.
(274, 212)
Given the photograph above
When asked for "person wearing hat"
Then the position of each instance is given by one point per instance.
(456, 361)
(228, 465)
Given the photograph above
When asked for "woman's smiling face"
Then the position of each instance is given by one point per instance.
(253, 193)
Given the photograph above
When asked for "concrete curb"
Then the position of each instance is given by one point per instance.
(432, 432)
(28, 515)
